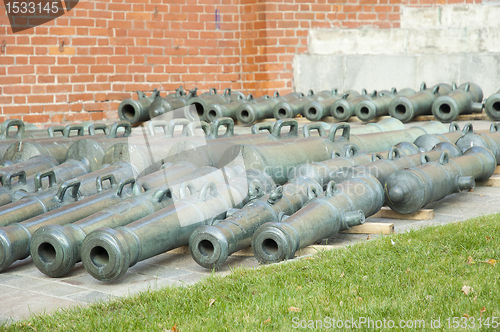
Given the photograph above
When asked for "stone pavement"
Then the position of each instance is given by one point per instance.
(24, 290)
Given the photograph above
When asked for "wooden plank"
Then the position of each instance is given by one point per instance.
(422, 214)
(497, 170)
(462, 117)
(371, 228)
(494, 181)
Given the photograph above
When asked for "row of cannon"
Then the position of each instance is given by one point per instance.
(446, 102)
(111, 201)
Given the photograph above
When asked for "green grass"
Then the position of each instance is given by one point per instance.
(419, 277)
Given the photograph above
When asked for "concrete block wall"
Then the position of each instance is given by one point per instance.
(114, 47)
(434, 44)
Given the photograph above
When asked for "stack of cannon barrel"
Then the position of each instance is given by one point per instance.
(444, 101)
(109, 196)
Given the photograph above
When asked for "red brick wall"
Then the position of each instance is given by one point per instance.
(115, 47)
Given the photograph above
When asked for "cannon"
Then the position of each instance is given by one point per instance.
(65, 240)
(165, 229)
(367, 110)
(318, 109)
(420, 103)
(288, 110)
(343, 108)
(466, 99)
(202, 103)
(407, 191)
(249, 113)
(492, 106)
(342, 206)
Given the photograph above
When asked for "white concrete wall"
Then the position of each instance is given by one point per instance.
(435, 44)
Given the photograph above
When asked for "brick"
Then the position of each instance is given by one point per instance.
(16, 109)
(34, 99)
(367, 16)
(19, 50)
(43, 40)
(62, 31)
(5, 100)
(56, 118)
(101, 32)
(77, 117)
(102, 69)
(59, 88)
(82, 78)
(383, 8)
(61, 98)
(98, 87)
(119, 24)
(81, 60)
(82, 22)
(131, 16)
(16, 70)
(46, 79)
(49, 60)
(120, 59)
(19, 99)
(351, 8)
(122, 41)
(66, 51)
(90, 107)
(39, 89)
(104, 14)
(36, 118)
(16, 89)
(62, 69)
(94, 116)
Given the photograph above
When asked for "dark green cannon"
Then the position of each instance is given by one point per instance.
(466, 99)
(55, 147)
(15, 190)
(229, 110)
(55, 249)
(387, 124)
(15, 239)
(341, 207)
(211, 245)
(277, 158)
(318, 109)
(288, 110)
(108, 253)
(249, 113)
(171, 102)
(409, 190)
(70, 191)
(397, 160)
(202, 103)
(323, 172)
(428, 141)
(367, 110)
(491, 141)
(16, 244)
(492, 106)
(21, 132)
(343, 108)
(407, 108)
(135, 111)
(30, 166)
(202, 151)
